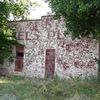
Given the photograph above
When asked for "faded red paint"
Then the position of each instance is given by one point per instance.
(27, 36)
(19, 49)
(50, 62)
(19, 65)
(20, 36)
(19, 59)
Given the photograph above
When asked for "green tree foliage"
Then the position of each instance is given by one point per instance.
(18, 9)
(82, 18)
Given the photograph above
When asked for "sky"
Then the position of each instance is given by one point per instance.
(37, 12)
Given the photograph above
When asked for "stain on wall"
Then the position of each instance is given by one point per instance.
(72, 57)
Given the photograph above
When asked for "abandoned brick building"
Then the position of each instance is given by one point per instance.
(47, 52)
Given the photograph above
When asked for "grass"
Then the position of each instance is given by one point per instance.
(50, 89)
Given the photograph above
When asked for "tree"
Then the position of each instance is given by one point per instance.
(82, 18)
(18, 9)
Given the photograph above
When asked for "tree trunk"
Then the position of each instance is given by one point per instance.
(99, 63)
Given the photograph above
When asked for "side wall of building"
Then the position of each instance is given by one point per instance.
(72, 57)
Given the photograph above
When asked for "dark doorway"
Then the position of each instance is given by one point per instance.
(50, 62)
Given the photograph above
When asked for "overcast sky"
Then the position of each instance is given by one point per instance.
(37, 12)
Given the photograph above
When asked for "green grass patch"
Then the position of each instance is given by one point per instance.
(50, 89)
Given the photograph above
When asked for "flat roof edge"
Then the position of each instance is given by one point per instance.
(32, 19)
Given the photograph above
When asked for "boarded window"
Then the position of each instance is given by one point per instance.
(19, 59)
